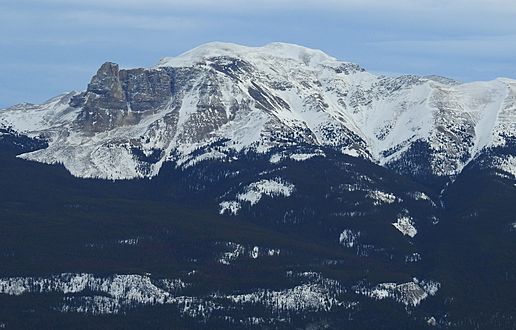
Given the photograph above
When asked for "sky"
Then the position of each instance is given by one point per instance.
(48, 47)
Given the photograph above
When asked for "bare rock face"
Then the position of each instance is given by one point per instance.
(107, 83)
(146, 89)
(117, 97)
(104, 102)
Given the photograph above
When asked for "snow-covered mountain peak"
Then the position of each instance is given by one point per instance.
(276, 50)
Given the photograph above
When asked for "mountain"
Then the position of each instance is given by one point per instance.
(129, 122)
(274, 186)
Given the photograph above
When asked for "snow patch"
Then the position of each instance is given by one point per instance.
(254, 192)
(276, 158)
(414, 257)
(380, 197)
(409, 294)
(421, 196)
(235, 251)
(405, 224)
(229, 207)
(302, 157)
(298, 157)
(129, 241)
(507, 164)
(349, 238)
(350, 152)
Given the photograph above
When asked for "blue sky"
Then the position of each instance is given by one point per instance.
(51, 46)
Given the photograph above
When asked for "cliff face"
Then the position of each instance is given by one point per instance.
(117, 97)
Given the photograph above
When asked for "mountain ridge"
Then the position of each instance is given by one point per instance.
(277, 95)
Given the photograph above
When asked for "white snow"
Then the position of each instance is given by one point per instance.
(32, 119)
(405, 225)
(507, 164)
(110, 294)
(235, 251)
(409, 294)
(349, 238)
(129, 241)
(414, 257)
(380, 197)
(91, 294)
(205, 52)
(317, 295)
(418, 196)
(254, 192)
(254, 252)
(421, 196)
(276, 158)
(305, 297)
(302, 157)
(431, 287)
(351, 152)
(299, 157)
(230, 207)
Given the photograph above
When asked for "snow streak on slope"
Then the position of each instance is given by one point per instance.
(218, 99)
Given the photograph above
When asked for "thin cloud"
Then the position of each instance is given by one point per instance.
(131, 21)
(243, 5)
(497, 46)
(48, 67)
(97, 18)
